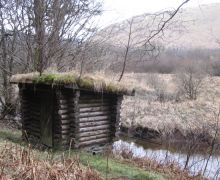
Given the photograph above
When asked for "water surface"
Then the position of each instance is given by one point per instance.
(197, 160)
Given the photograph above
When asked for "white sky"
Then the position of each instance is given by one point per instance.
(117, 10)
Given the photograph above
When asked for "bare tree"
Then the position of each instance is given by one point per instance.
(127, 47)
(39, 26)
(145, 42)
(38, 34)
(7, 60)
(189, 80)
(52, 31)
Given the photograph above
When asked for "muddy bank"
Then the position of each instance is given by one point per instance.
(160, 137)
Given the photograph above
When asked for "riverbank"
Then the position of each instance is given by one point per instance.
(19, 159)
(195, 162)
(174, 137)
(158, 110)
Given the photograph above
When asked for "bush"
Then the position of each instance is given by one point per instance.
(189, 80)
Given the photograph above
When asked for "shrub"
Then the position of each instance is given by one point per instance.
(189, 80)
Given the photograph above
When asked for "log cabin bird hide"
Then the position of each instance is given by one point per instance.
(63, 110)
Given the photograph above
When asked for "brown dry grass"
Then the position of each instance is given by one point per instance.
(146, 111)
(17, 162)
(170, 170)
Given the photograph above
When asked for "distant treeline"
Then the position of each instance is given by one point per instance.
(171, 60)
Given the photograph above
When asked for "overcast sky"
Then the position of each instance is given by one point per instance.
(117, 10)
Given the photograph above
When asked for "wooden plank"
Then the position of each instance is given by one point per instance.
(92, 114)
(66, 111)
(116, 115)
(65, 136)
(92, 100)
(93, 105)
(98, 141)
(86, 129)
(93, 96)
(65, 127)
(67, 116)
(89, 124)
(95, 109)
(46, 118)
(66, 106)
(65, 131)
(89, 96)
(96, 118)
(65, 122)
(83, 139)
(84, 134)
(66, 102)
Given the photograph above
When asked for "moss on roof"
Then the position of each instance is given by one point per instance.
(89, 82)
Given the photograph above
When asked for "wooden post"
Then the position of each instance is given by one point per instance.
(23, 111)
(116, 114)
(67, 112)
(75, 127)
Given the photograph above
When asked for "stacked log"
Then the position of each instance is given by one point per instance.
(95, 120)
(30, 111)
(80, 118)
(57, 139)
(116, 111)
(67, 100)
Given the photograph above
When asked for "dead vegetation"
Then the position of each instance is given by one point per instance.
(182, 114)
(17, 162)
(170, 169)
(21, 162)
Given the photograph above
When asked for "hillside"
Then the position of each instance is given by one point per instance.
(196, 27)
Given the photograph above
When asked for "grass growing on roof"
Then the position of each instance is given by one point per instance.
(85, 81)
(55, 78)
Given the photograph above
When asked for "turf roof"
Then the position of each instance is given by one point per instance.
(88, 82)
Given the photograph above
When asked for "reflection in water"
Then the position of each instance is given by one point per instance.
(196, 163)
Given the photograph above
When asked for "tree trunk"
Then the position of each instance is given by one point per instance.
(40, 35)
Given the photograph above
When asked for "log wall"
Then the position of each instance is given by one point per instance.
(116, 112)
(64, 128)
(96, 119)
(30, 112)
(79, 118)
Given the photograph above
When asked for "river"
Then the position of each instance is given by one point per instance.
(197, 161)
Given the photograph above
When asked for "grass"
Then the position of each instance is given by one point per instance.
(87, 81)
(18, 160)
(86, 163)
(13, 136)
(186, 116)
(116, 168)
